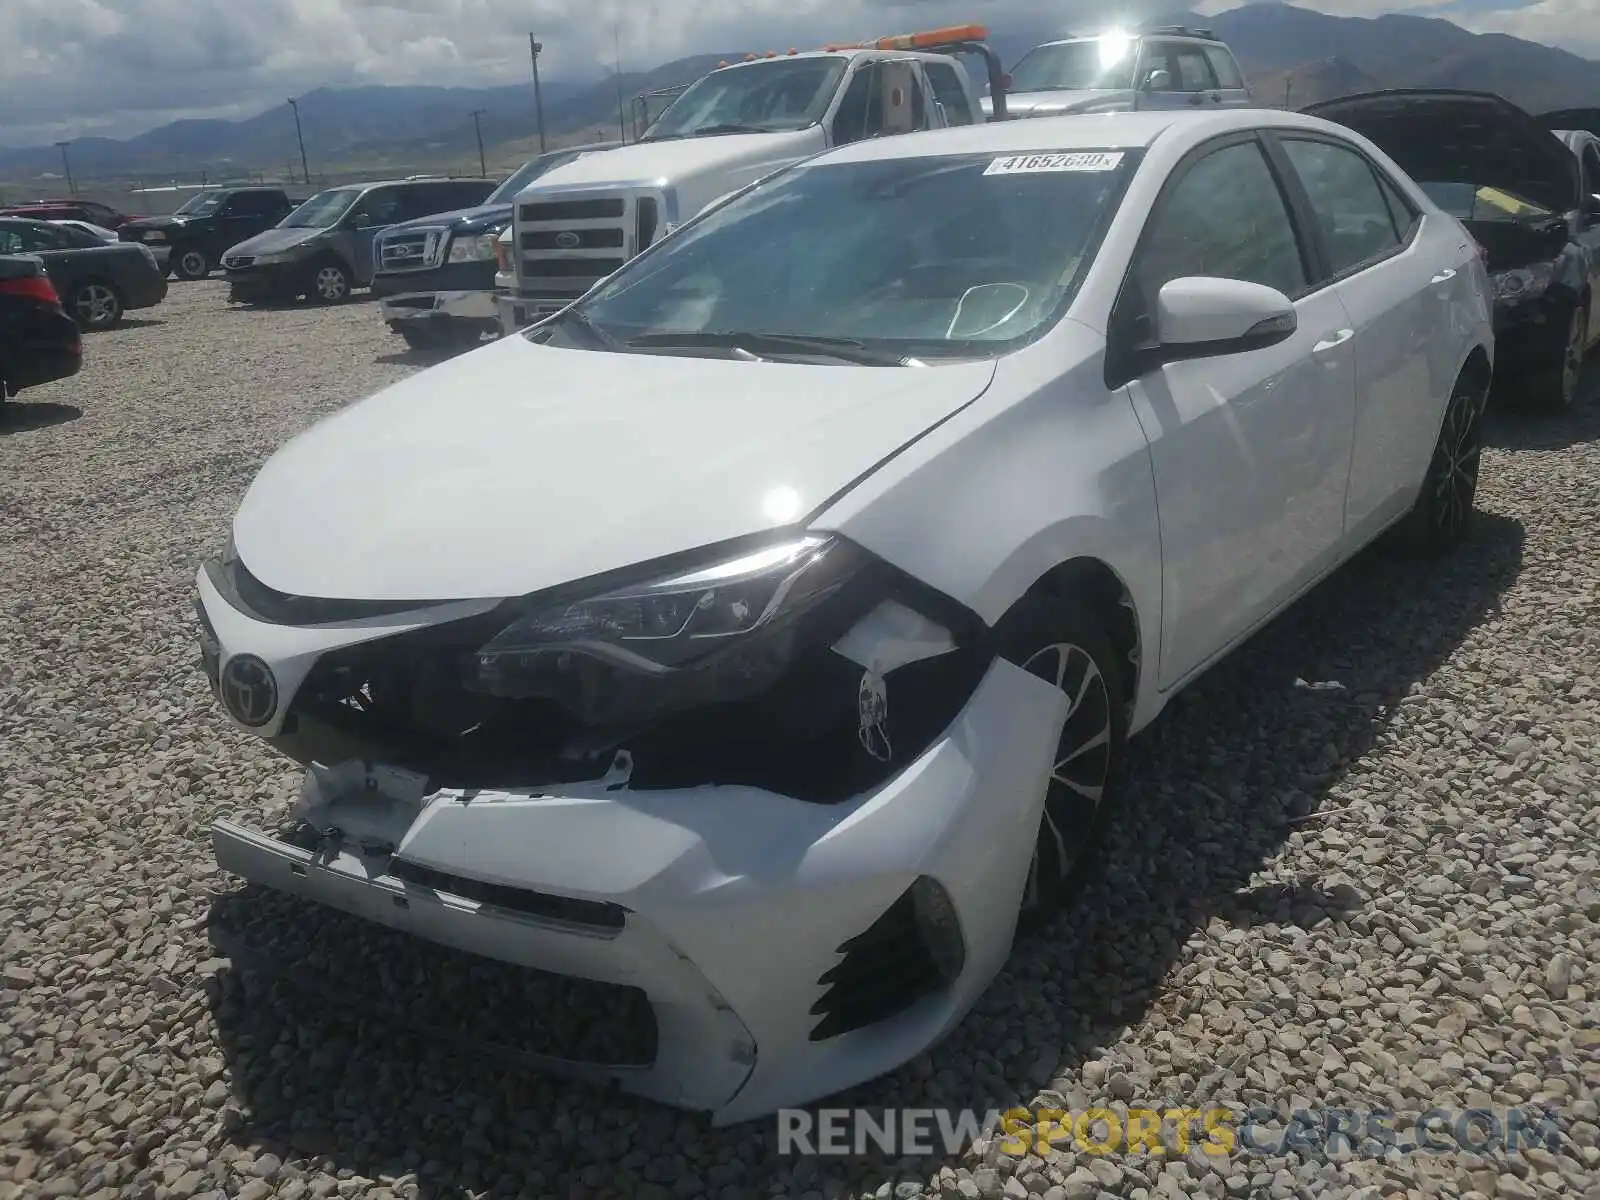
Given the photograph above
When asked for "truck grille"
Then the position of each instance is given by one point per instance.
(566, 246)
(410, 250)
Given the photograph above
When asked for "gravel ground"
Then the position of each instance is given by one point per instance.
(1360, 868)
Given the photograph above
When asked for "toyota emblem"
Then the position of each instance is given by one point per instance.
(567, 240)
(249, 692)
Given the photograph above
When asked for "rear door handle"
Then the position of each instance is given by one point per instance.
(1334, 340)
(1444, 276)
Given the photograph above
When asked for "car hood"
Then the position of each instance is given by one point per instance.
(1059, 103)
(675, 159)
(483, 214)
(1474, 138)
(276, 241)
(518, 467)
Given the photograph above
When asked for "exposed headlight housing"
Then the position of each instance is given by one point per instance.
(1523, 283)
(713, 634)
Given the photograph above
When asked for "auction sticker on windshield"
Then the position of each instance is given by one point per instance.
(1029, 164)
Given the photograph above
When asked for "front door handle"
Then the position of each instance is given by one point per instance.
(1334, 340)
(1444, 276)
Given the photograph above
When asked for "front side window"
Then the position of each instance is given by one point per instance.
(1102, 63)
(1193, 73)
(322, 211)
(1357, 225)
(949, 256)
(1224, 217)
(761, 97)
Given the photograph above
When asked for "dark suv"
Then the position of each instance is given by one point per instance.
(193, 238)
(324, 248)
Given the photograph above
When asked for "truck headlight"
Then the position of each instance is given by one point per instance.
(481, 248)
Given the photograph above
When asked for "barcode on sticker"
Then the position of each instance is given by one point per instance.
(1029, 164)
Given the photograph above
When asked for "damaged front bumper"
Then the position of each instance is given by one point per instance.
(785, 949)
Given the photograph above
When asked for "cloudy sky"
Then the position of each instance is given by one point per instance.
(117, 67)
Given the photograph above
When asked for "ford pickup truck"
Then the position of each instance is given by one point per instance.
(734, 126)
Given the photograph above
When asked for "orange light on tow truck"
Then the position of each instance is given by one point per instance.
(948, 36)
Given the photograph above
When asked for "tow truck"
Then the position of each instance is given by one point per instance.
(733, 126)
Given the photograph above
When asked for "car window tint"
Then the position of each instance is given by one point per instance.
(947, 90)
(1227, 71)
(1157, 57)
(385, 206)
(11, 241)
(1194, 72)
(1224, 217)
(859, 115)
(1349, 205)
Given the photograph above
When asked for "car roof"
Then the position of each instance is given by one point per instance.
(1085, 131)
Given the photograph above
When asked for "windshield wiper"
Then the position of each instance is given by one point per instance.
(732, 127)
(759, 344)
(580, 319)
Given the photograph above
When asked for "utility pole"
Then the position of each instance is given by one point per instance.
(483, 166)
(66, 166)
(305, 168)
(534, 48)
(616, 50)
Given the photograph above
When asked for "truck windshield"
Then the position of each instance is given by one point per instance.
(925, 257)
(773, 94)
(323, 210)
(201, 204)
(1102, 63)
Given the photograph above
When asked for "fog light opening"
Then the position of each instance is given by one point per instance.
(939, 926)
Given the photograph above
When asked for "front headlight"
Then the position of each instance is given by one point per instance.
(480, 248)
(710, 635)
(1523, 283)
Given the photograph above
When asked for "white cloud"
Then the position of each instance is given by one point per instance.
(75, 67)
(1570, 24)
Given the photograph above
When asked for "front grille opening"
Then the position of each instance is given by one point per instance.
(573, 210)
(648, 215)
(374, 972)
(588, 239)
(594, 914)
(406, 699)
(573, 268)
(890, 966)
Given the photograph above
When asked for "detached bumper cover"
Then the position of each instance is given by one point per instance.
(725, 906)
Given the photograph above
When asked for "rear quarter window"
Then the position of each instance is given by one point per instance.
(1227, 71)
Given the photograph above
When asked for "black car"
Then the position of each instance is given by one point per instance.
(1519, 191)
(39, 343)
(434, 276)
(324, 248)
(206, 224)
(97, 281)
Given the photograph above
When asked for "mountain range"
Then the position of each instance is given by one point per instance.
(1289, 54)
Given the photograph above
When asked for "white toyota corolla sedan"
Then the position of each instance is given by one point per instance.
(760, 637)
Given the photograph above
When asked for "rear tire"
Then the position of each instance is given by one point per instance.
(189, 262)
(1061, 644)
(1442, 516)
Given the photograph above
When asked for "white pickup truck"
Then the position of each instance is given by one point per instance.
(741, 122)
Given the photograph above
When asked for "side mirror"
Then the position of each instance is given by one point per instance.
(1200, 317)
(362, 221)
(1006, 81)
(1159, 80)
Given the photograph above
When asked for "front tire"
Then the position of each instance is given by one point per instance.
(1442, 516)
(190, 262)
(330, 283)
(95, 305)
(1060, 644)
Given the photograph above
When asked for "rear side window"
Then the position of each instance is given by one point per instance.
(1400, 207)
(251, 204)
(1357, 225)
(1226, 70)
(947, 90)
(1226, 217)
